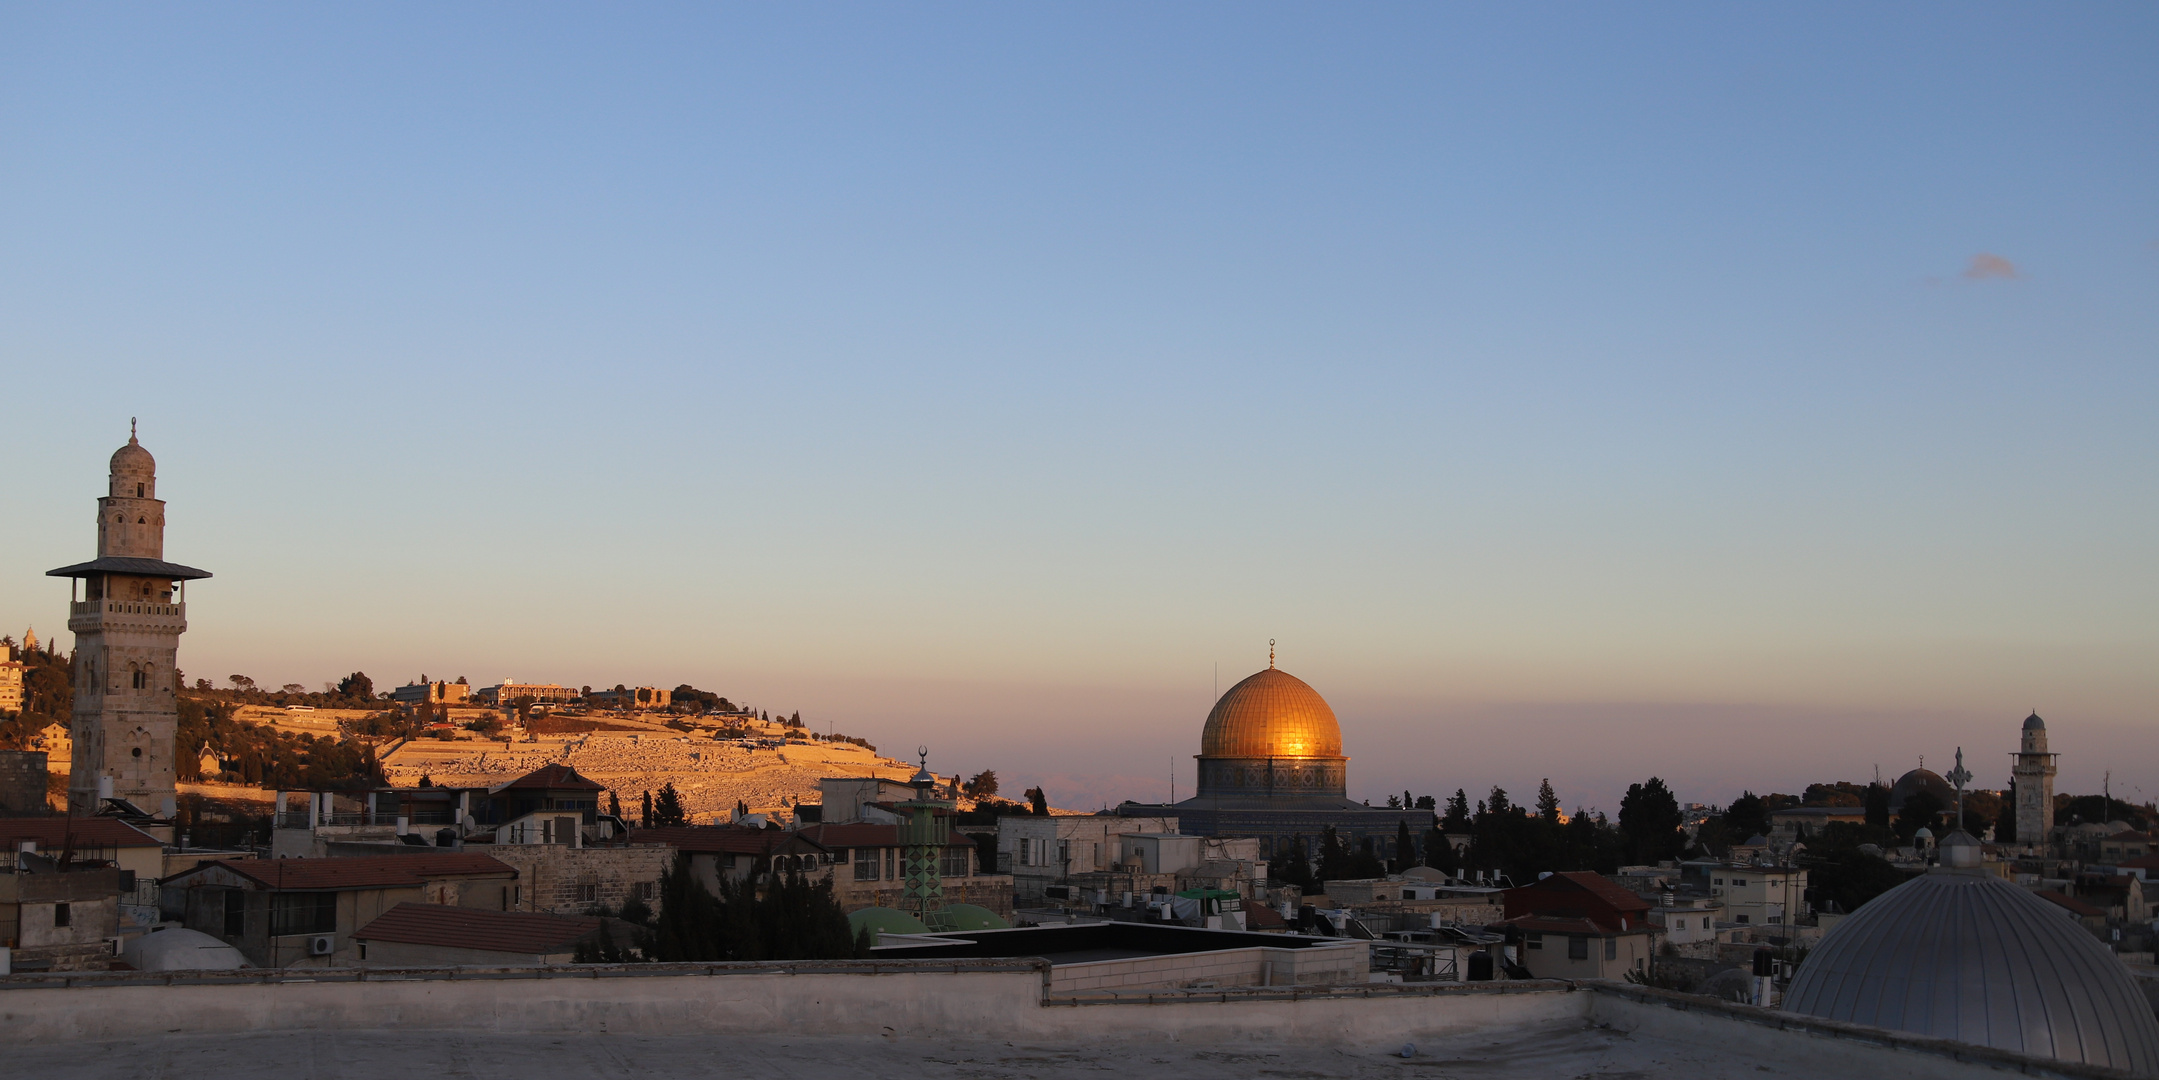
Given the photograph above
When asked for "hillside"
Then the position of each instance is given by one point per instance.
(764, 770)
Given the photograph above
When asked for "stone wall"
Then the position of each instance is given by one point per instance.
(992, 891)
(563, 880)
(1332, 965)
(22, 781)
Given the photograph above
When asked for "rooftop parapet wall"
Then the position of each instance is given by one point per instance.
(946, 999)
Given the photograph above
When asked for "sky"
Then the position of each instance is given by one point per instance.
(1743, 395)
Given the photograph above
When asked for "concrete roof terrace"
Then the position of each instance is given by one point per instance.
(865, 1020)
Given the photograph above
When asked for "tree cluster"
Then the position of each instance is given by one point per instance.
(266, 757)
(758, 917)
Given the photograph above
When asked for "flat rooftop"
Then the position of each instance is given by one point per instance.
(1540, 1054)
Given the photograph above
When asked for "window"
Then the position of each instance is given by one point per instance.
(363, 950)
(1536, 941)
(1705, 922)
(235, 913)
(1026, 852)
(648, 890)
(62, 915)
(588, 893)
(1716, 881)
(839, 856)
(1577, 947)
(140, 678)
(1611, 948)
(303, 913)
(866, 864)
(955, 861)
(1739, 918)
(892, 870)
(1738, 882)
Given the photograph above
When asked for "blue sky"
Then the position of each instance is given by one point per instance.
(1747, 396)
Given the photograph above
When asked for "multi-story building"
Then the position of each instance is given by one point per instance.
(432, 693)
(641, 698)
(1042, 851)
(868, 868)
(1751, 895)
(127, 620)
(1580, 925)
(507, 693)
(11, 676)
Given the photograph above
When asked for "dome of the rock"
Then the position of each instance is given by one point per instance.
(1272, 714)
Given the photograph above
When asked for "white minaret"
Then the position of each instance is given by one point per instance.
(127, 626)
(2034, 774)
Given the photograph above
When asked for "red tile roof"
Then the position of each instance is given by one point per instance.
(55, 833)
(363, 871)
(553, 778)
(1611, 892)
(721, 839)
(2072, 904)
(472, 928)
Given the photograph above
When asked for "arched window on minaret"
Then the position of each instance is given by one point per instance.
(140, 677)
(138, 491)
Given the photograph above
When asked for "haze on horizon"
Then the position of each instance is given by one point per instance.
(1742, 396)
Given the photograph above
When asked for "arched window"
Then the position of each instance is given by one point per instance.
(142, 678)
(138, 491)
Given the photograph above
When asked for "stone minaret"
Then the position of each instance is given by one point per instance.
(127, 624)
(2034, 773)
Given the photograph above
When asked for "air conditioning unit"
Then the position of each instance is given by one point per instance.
(321, 945)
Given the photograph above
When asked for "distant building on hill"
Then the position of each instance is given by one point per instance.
(508, 692)
(11, 674)
(433, 693)
(643, 697)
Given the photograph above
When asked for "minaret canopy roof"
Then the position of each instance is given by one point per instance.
(115, 564)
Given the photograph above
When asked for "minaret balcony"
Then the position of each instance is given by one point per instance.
(91, 615)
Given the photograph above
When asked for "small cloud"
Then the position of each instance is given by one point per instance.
(1986, 266)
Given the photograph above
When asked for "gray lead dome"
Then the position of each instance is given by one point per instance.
(1964, 955)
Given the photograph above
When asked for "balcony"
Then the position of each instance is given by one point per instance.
(100, 614)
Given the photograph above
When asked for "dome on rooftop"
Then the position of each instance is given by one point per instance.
(1916, 781)
(1272, 714)
(133, 459)
(181, 950)
(2033, 723)
(1965, 955)
(884, 920)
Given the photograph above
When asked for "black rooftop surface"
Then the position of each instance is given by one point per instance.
(115, 564)
(1093, 941)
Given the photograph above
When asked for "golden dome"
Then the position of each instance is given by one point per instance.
(1269, 715)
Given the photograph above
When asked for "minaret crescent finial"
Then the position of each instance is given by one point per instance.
(1270, 652)
(131, 429)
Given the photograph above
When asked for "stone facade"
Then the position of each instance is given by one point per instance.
(60, 921)
(127, 629)
(11, 676)
(561, 880)
(2034, 775)
(22, 781)
(992, 891)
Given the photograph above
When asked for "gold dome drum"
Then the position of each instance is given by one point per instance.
(1271, 735)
